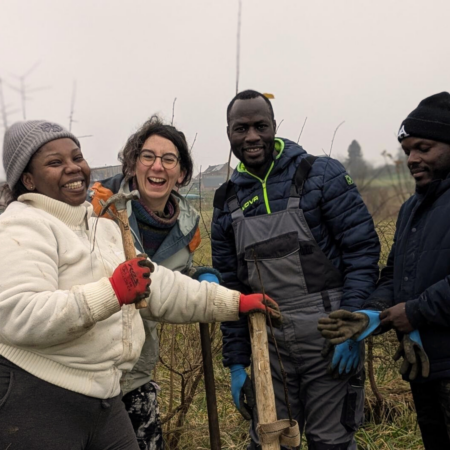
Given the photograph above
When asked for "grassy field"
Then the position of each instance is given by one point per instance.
(390, 421)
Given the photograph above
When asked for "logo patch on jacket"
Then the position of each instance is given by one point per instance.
(349, 180)
(250, 202)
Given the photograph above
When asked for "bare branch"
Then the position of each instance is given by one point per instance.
(173, 110)
(279, 125)
(238, 45)
(200, 204)
(334, 134)
(195, 138)
(229, 165)
(301, 131)
(31, 69)
(72, 105)
(3, 107)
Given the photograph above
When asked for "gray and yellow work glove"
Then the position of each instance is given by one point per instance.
(342, 325)
(415, 360)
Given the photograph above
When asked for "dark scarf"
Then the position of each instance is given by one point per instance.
(154, 227)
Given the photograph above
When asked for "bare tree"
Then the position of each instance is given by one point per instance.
(4, 108)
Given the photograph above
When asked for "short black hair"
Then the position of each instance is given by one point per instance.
(248, 95)
(155, 126)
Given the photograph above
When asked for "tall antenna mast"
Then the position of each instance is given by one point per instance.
(24, 89)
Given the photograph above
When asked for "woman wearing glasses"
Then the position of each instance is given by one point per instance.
(156, 160)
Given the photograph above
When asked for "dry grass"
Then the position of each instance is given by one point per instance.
(395, 429)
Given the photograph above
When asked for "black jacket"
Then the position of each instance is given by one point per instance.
(418, 272)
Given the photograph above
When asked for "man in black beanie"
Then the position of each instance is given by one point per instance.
(425, 138)
(413, 292)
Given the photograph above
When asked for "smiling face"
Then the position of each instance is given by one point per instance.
(155, 182)
(59, 171)
(427, 160)
(251, 131)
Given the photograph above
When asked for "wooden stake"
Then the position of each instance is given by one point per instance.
(128, 245)
(262, 376)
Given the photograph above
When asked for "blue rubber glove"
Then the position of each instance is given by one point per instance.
(208, 277)
(242, 391)
(374, 323)
(415, 337)
(200, 272)
(346, 356)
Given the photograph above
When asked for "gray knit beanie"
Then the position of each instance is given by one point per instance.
(23, 139)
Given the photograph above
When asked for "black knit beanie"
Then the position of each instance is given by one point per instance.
(430, 120)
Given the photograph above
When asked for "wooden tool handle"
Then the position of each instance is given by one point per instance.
(262, 376)
(128, 246)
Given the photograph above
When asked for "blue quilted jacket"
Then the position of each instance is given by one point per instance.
(335, 213)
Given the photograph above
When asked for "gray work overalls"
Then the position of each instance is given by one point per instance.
(306, 286)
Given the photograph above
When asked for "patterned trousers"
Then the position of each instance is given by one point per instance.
(142, 407)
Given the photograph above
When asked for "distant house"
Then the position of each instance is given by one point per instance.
(212, 177)
(100, 173)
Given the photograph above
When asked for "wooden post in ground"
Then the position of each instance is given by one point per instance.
(262, 377)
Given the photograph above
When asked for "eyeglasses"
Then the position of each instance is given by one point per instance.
(168, 161)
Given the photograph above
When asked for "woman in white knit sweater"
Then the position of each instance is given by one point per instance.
(69, 328)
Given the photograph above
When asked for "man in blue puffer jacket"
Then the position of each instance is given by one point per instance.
(303, 221)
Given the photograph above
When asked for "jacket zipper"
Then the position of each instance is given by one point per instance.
(264, 186)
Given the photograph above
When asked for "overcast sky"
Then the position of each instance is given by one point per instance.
(367, 63)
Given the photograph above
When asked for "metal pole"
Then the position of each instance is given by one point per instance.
(210, 387)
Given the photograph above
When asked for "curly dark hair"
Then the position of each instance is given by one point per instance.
(155, 126)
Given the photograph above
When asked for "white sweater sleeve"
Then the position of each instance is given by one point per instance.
(177, 298)
(33, 311)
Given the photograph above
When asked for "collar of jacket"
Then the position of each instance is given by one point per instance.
(434, 189)
(181, 233)
(179, 236)
(286, 152)
(188, 217)
(72, 216)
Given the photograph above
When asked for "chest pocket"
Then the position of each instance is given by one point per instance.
(279, 265)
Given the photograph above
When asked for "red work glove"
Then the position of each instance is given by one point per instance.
(254, 303)
(131, 280)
